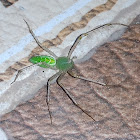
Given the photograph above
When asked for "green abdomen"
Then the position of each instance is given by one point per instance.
(43, 59)
(64, 63)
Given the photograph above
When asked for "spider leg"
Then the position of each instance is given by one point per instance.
(70, 97)
(49, 66)
(37, 41)
(86, 33)
(19, 71)
(75, 44)
(48, 92)
(74, 74)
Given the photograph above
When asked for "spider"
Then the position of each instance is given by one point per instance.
(64, 64)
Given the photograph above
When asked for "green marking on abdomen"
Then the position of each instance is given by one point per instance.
(47, 59)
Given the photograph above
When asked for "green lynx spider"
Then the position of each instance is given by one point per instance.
(64, 64)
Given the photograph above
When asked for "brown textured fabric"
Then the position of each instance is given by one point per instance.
(116, 107)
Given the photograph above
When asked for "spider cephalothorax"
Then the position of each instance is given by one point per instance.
(64, 63)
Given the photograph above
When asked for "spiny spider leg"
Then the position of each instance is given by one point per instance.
(85, 34)
(37, 41)
(48, 92)
(70, 97)
(71, 73)
(75, 44)
(49, 66)
(19, 71)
